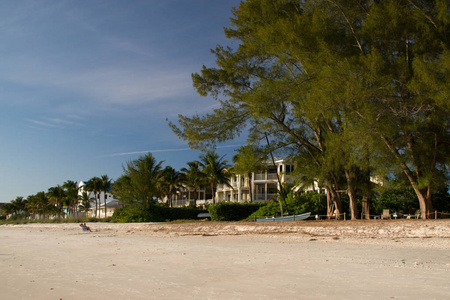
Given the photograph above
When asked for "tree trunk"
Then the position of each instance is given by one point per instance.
(250, 182)
(195, 198)
(426, 206)
(96, 204)
(424, 195)
(329, 204)
(365, 207)
(104, 199)
(334, 202)
(351, 192)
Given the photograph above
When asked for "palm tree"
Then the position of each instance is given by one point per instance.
(106, 186)
(139, 184)
(18, 207)
(247, 160)
(85, 202)
(43, 204)
(94, 185)
(216, 170)
(122, 189)
(71, 198)
(8, 209)
(194, 179)
(32, 206)
(170, 182)
(56, 195)
(37, 205)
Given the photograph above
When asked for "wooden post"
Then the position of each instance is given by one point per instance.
(435, 214)
(344, 217)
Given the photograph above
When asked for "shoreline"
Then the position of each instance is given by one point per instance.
(363, 231)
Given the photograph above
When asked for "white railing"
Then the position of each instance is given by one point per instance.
(271, 176)
(262, 197)
(260, 177)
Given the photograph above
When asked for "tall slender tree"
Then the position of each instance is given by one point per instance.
(85, 204)
(94, 185)
(56, 196)
(106, 187)
(71, 196)
(194, 178)
(140, 181)
(248, 160)
(171, 182)
(216, 170)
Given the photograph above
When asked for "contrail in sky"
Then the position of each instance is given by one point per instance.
(160, 150)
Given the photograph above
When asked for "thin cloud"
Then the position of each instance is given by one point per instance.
(41, 123)
(161, 150)
(53, 122)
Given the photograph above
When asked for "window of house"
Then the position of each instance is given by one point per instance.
(289, 169)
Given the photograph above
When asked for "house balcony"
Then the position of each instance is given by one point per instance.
(269, 176)
(262, 197)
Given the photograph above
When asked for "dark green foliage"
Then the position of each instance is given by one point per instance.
(231, 211)
(297, 204)
(312, 202)
(398, 200)
(405, 200)
(441, 201)
(133, 214)
(271, 209)
(155, 213)
(179, 213)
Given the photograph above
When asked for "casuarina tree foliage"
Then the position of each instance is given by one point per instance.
(349, 88)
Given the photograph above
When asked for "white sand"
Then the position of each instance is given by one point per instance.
(301, 260)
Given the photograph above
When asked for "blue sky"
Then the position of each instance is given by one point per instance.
(86, 86)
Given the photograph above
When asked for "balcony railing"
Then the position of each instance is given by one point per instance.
(260, 177)
(269, 176)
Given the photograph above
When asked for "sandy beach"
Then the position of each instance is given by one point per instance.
(396, 259)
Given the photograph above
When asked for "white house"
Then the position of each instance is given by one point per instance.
(111, 203)
(264, 185)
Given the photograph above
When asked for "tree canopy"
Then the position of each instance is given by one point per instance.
(347, 87)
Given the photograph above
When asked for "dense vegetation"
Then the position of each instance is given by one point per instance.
(231, 211)
(155, 213)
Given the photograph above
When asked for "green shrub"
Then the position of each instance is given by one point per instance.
(132, 214)
(231, 211)
(272, 208)
(296, 204)
(403, 199)
(155, 213)
(178, 213)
